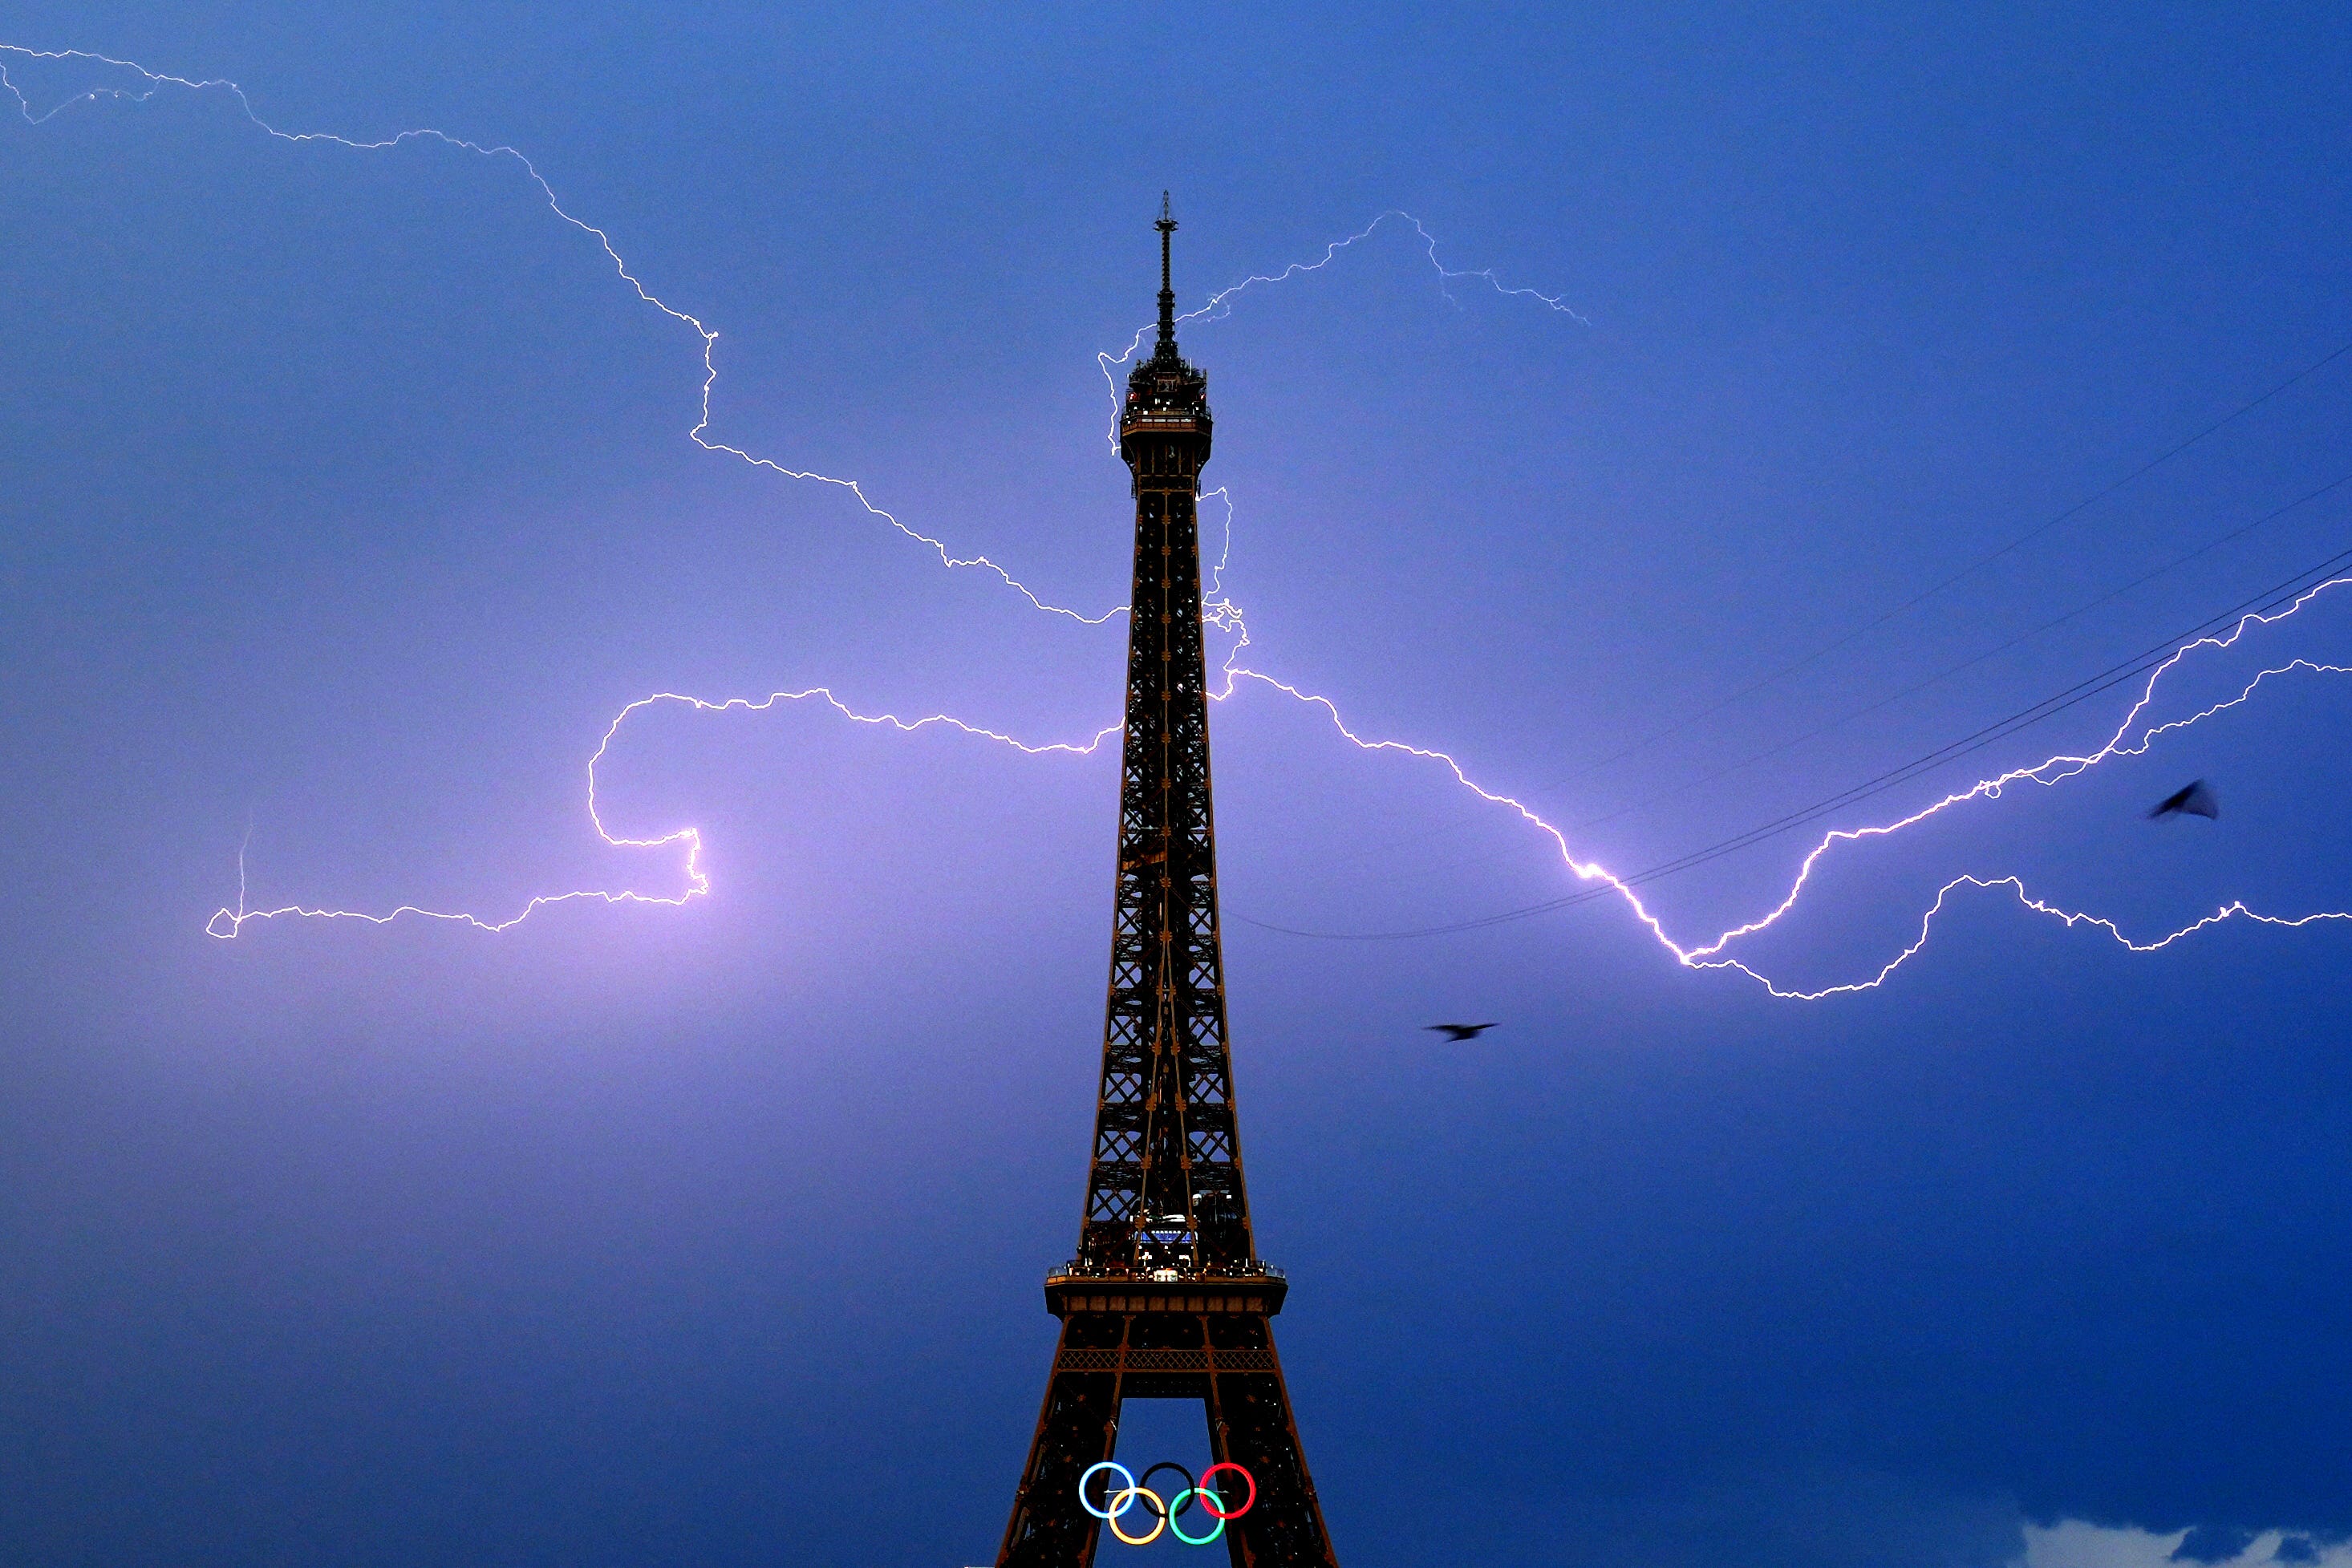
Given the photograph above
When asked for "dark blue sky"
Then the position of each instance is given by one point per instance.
(345, 497)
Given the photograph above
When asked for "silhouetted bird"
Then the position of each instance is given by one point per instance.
(1455, 1033)
(2196, 800)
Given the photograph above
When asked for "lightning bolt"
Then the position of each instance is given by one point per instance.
(1220, 304)
(228, 922)
(157, 80)
(2049, 772)
(1219, 610)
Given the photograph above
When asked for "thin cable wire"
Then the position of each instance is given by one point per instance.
(2023, 637)
(2166, 456)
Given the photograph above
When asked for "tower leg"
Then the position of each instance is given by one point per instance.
(1077, 1426)
(1250, 1425)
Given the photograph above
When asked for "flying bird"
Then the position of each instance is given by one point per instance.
(1455, 1033)
(2196, 800)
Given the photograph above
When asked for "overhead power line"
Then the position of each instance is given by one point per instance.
(1968, 664)
(2087, 502)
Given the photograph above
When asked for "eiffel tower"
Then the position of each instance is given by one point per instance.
(1167, 1298)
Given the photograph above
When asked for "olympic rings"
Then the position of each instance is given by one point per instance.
(1165, 1512)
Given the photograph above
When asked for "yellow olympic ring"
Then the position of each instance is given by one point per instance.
(1126, 1500)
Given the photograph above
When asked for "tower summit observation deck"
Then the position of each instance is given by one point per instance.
(1167, 1298)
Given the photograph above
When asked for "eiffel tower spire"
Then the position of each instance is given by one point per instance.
(1167, 1297)
(1166, 226)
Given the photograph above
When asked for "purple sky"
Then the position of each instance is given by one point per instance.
(347, 496)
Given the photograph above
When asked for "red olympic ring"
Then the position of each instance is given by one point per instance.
(1205, 1494)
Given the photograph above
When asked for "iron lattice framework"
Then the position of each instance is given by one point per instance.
(1167, 1298)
